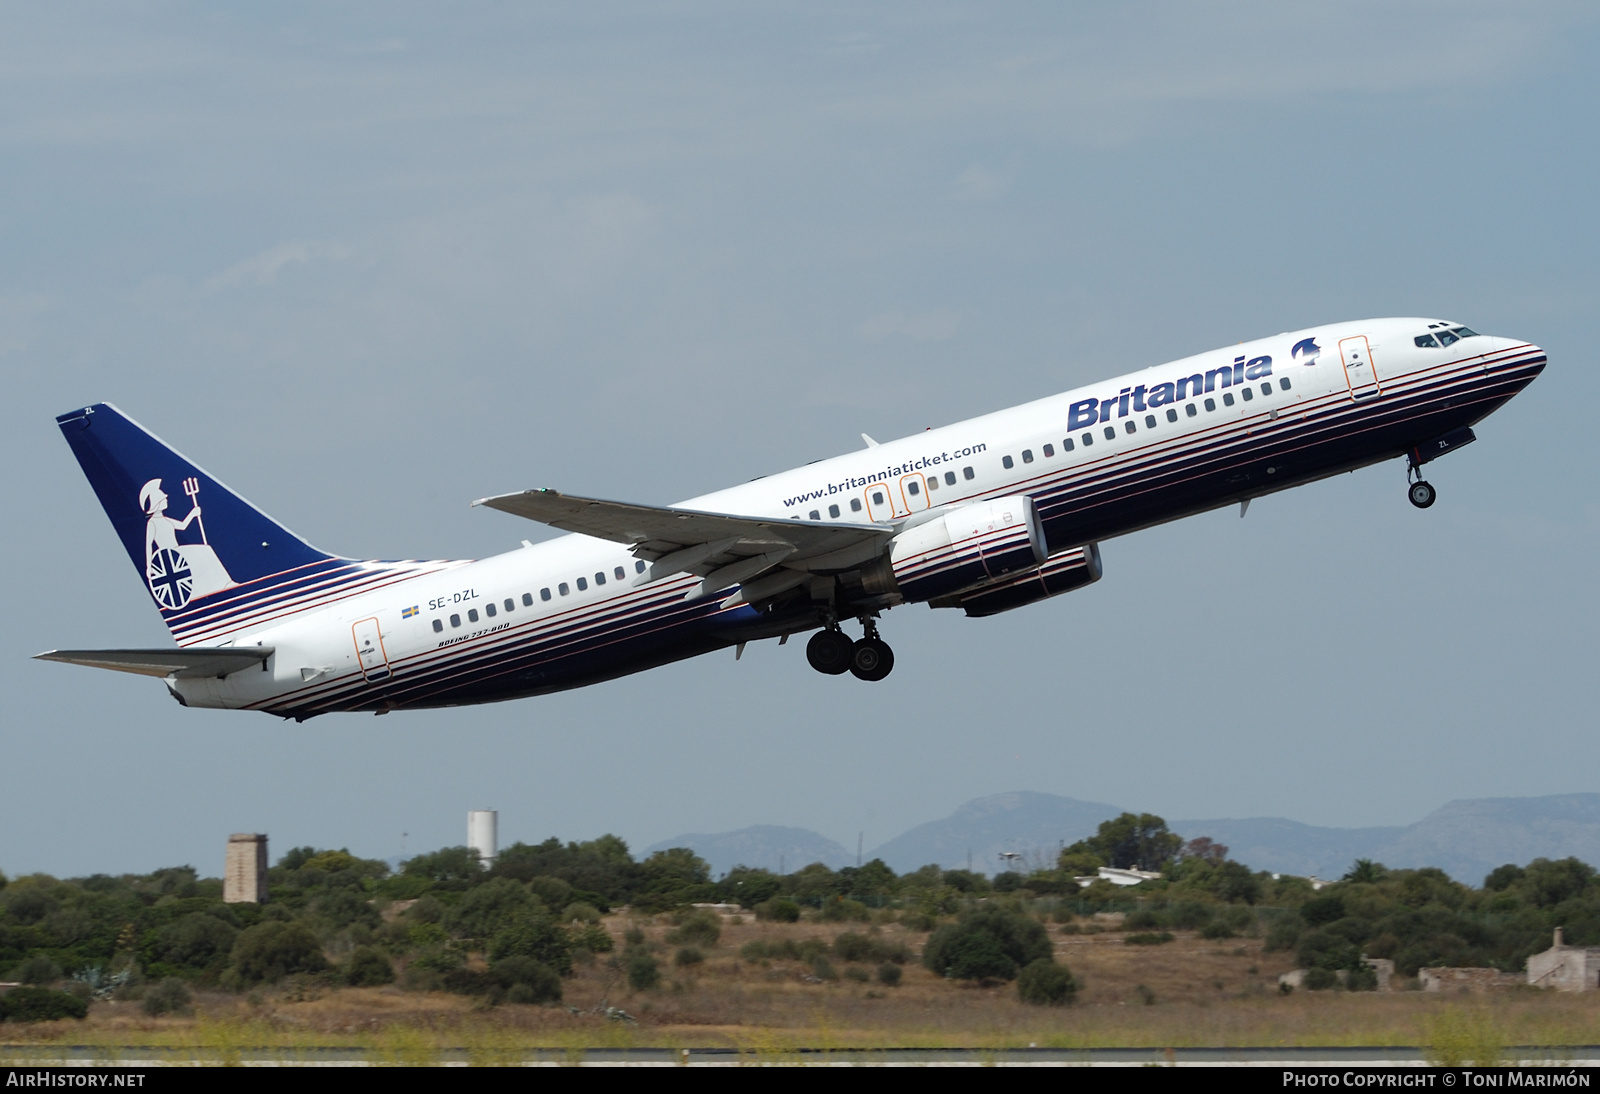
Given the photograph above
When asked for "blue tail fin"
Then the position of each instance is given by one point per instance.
(189, 536)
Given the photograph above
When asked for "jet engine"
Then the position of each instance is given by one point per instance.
(1061, 573)
(969, 545)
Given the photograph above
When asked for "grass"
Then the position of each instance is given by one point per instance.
(1190, 992)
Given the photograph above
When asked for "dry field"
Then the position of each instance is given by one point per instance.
(1188, 993)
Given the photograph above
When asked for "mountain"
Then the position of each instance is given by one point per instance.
(1289, 847)
(768, 846)
(1469, 838)
(1029, 824)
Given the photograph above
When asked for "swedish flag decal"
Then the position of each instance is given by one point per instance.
(409, 612)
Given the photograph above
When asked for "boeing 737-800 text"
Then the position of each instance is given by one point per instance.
(984, 516)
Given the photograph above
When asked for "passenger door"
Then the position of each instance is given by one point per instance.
(914, 493)
(1358, 370)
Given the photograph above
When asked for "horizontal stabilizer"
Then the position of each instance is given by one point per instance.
(183, 663)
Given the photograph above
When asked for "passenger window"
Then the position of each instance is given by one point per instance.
(1172, 415)
(583, 583)
(1189, 409)
(1005, 462)
(1266, 388)
(815, 515)
(1246, 394)
(455, 621)
(638, 566)
(1149, 421)
(949, 478)
(1425, 341)
(1088, 439)
(511, 605)
(1447, 338)
(967, 473)
(489, 610)
(912, 488)
(544, 594)
(1111, 433)
(562, 589)
(933, 482)
(620, 572)
(1128, 426)
(472, 615)
(1049, 451)
(1027, 455)
(1211, 404)
(1066, 444)
(1283, 382)
(833, 510)
(438, 625)
(600, 578)
(877, 497)
(855, 505)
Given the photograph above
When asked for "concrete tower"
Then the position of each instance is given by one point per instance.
(244, 877)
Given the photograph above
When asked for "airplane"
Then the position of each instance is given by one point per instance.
(984, 516)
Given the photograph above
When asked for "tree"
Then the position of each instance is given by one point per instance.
(532, 932)
(1205, 849)
(489, 907)
(1365, 871)
(368, 968)
(450, 868)
(1137, 841)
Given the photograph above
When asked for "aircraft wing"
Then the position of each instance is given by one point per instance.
(189, 662)
(723, 548)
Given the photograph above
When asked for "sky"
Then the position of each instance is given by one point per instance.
(368, 262)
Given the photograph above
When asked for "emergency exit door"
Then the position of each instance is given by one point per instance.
(369, 650)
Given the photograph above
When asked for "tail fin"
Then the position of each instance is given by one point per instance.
(189, 536)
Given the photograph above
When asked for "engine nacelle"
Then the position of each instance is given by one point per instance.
(970, 545)
(1060, 574)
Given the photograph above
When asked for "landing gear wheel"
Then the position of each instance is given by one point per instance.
(829, 652)
(871, 659)
(1422, 494)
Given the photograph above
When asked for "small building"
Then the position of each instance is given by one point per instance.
(1444, 979)
(1565, 968)
(244, 874)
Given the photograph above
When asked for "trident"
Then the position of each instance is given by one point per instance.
(191, 486)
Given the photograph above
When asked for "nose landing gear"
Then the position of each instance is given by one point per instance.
(831, 652)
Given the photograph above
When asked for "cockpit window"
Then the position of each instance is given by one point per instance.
(1464, 332)
(1425, 340)
(1448, 338)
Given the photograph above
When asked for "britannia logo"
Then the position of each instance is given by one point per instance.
(177, 571)
(1306, 351)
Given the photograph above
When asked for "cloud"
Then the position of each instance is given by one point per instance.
(262, 269)
(937, 325)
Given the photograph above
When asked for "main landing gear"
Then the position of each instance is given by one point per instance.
(1421, 493)
(831, 652)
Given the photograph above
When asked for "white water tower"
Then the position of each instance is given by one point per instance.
(483, 834)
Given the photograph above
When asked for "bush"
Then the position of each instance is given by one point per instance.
(368, 968)
(581, 911)
(591, 937)
(697, 927)
(526, 980)
(1148, 938)
(858, 974)
(532, 932)
(687, 956)
(839, 910)
(1046, 984)
(1217, 929)
(989, 944)
(822, 968)
(643, 972)
(889, 975)
(40, 1005)
(38, 969)
(171, 996)
(778, 910)
(488, 908)
(851, 946)
(1320, 979)
(274, 949)
(552, 890)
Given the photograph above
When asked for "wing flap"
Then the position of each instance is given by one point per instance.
(183, 663)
